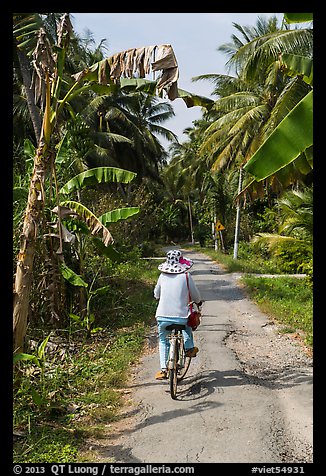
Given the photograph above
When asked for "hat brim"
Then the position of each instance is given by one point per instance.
(173, 269)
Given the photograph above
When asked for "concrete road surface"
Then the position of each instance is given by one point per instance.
(247, 397)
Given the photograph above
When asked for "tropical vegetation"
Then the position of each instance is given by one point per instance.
(95, 192)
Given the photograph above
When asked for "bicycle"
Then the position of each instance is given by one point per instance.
(177, 363)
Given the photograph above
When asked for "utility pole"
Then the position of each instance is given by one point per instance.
(214, 232)
(237, 221)
(190, 221)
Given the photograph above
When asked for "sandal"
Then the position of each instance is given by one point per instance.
(192, 352)
(161, 375)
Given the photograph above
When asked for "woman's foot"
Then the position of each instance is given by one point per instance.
(192, 352)
(161, 375)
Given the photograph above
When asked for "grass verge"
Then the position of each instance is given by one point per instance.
(244, 264)
(288, 300)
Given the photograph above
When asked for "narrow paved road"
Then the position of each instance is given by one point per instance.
(247, 397)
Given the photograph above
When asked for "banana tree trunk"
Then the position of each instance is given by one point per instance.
(33, 110)
(25, 259)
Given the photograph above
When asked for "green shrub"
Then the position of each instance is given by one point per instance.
(293, 257)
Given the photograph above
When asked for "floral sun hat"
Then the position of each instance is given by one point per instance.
(175, 263)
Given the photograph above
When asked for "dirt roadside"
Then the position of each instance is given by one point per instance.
(248, 394)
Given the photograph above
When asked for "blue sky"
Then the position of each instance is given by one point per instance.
(194, 37)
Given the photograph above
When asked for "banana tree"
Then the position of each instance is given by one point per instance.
(96, 225)
(47, 81)
(292, 139)
(84, 321)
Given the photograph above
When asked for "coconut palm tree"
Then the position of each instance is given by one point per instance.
(125, 128)
(294, 135)
(252, 103)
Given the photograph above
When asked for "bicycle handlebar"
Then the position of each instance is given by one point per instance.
(198, 304)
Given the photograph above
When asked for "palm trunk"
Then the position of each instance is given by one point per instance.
(25, 259)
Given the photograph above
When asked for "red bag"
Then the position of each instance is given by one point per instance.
(194, 317)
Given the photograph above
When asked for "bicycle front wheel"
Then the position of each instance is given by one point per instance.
(173, 376)
(184, 370)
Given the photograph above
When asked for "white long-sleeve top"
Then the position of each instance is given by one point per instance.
(172, 292)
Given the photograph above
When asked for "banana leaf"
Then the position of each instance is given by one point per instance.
(194, 100)
(299, 65)
(87, 74)
(29, 149)
(90, 219)
(140, 84)
(107, 251)
(99, 291)
(104, 89)
(290, 138)
(298, 17)
(302, 164)
(97, 175)
(119, 214)
(23, 356)
(72, 278)
(41, 348)
(62, 149)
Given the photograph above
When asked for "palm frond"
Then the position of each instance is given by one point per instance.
(228, 153)
(273, 240)
(265, 50)
(224, 84)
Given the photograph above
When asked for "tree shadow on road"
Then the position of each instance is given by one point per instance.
(211, 381)
(197, 389)
(110, 449)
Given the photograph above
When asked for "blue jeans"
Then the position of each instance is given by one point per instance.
(164, 343)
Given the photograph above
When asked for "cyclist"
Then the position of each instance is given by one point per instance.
(172, 292)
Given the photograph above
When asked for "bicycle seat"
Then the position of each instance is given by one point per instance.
(177, 327)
